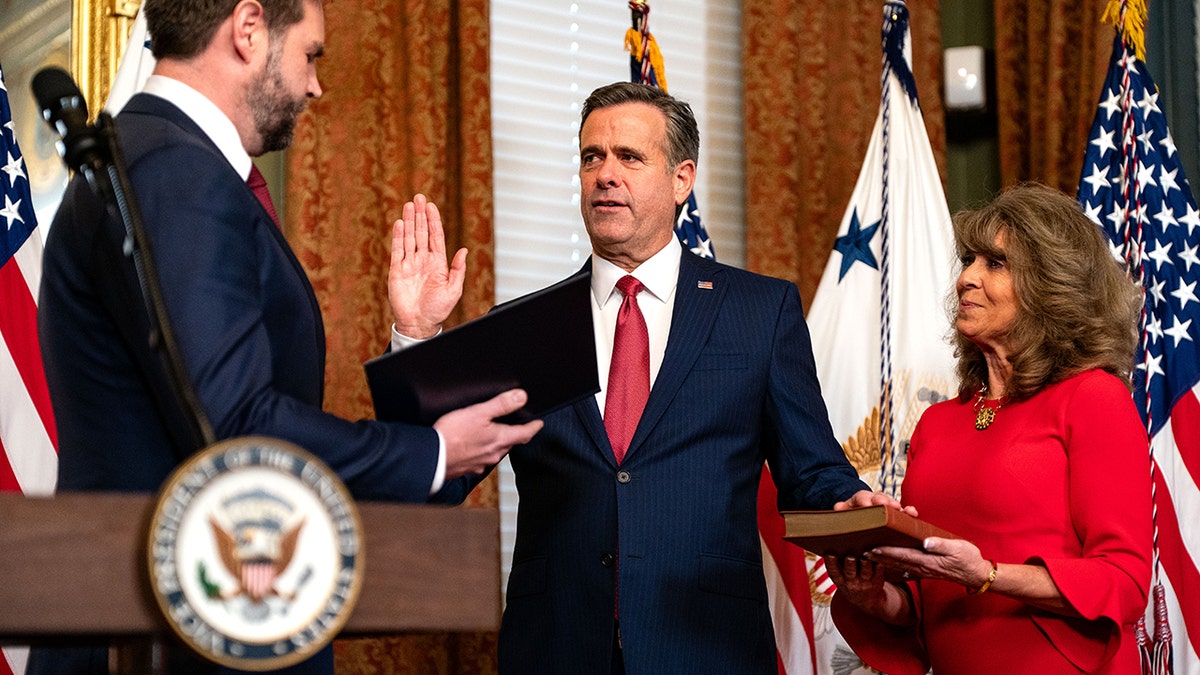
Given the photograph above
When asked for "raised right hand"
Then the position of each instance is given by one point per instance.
(475, 441)
(423, 287)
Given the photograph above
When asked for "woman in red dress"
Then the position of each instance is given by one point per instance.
(1040, 464)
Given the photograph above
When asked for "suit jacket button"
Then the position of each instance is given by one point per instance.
(607, 560)
(623, 477)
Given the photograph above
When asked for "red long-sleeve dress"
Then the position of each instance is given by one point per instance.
(1061, 480)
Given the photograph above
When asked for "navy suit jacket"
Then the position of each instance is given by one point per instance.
(677, 519)
(242, 309)
(243, 312)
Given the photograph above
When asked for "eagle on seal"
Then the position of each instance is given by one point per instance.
(256, 556)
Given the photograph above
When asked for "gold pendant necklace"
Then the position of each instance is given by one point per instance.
(984, 415)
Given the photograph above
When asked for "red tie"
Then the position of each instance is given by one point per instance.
(258, 185)
(629, 370)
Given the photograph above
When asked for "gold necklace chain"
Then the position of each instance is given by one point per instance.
(984, 415)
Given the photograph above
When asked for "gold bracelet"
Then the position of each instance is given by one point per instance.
(987, 584)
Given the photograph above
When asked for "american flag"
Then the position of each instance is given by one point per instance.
(1133, 186)
(28, 459)
(646, 67)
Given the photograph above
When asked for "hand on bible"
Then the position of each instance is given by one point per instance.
(422, 288)
(864, 498)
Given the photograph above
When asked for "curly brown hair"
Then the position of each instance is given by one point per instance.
(1077, 309)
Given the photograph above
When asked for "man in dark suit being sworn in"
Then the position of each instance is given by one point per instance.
(637, 545)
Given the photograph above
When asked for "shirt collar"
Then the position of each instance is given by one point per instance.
(658, 274)
(212, 121)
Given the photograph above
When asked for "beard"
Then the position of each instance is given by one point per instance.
(275, 111)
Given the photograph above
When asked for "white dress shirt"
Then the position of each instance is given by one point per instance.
(214, 123)
(660, 276)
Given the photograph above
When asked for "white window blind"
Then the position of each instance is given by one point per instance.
(546, 58)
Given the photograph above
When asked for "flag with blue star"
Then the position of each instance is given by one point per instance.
(855, 245)
(646, 67)
(1133, 186)
(878, 320)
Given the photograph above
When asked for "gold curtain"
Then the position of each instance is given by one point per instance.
(1051, 56)
(405, 109)
(812, 90)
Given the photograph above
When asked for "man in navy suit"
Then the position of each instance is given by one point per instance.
(648, 560)
(230, 80)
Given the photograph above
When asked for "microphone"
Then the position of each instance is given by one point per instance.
(63, 107)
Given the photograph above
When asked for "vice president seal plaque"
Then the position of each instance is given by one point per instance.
(255, 553)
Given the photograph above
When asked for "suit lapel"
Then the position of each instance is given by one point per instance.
(593, 424)
(586, 408)
(698, 296)
(146, 104)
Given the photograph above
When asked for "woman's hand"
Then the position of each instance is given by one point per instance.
(954, 560)
(959, 561)
(861, 582)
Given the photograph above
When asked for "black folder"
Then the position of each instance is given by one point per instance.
(542, 343)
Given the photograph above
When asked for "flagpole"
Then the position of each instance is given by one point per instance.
(886, 411)
(895, 64)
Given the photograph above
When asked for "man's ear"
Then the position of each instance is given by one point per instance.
(685, 180)
(249, 29)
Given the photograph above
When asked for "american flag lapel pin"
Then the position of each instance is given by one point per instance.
(704, 285)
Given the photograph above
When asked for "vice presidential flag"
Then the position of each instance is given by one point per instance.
(28, 440)
(879, 327)
(1133, 186)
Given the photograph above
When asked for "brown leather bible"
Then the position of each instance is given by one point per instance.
(855, 531)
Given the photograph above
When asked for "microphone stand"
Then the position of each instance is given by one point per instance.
(110, 180)
(103, 166)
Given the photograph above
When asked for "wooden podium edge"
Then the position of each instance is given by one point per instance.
(74, 566)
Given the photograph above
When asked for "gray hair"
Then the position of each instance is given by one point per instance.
(683, 137)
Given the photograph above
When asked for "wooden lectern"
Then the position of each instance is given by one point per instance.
(74, 565)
